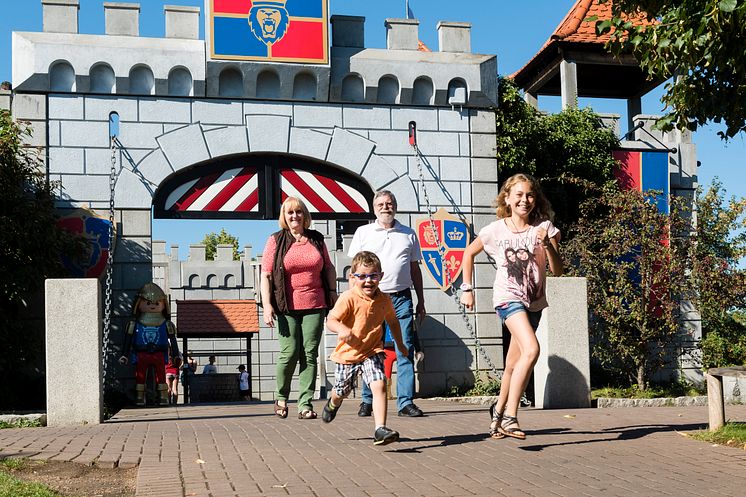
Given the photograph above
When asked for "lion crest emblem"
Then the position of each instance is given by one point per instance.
(268, 20)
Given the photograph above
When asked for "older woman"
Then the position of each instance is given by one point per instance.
(298, 285)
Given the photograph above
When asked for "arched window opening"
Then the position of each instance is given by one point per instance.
(388, 90)
(142, 81)
(180, 82)
(230, 83)
(353, 88)
(422, 91)
(62, 77)
(268, 84)
(102, 78)
(304, 86)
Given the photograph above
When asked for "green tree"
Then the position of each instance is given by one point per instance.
(569, 152)
(31, 250)
(212, 240)
(699, 45)
(719, 282)
(635, 260)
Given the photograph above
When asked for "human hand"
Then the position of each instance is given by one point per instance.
(269, 316)
(419, 356)
(542, 236)
(420, 312)
(345, 335)
(123, 360)
(467, 299)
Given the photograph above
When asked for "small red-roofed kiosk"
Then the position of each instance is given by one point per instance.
(218, 319)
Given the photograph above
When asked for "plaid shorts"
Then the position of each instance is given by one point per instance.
(345, 374)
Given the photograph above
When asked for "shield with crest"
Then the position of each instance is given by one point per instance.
(442, 243)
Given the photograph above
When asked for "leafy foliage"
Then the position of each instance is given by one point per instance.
(720, 283)
(635, 260)
(31, 249)
(212, 240)
(568, 152)
(698, 43)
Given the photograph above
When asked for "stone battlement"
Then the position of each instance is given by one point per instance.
(120, 62)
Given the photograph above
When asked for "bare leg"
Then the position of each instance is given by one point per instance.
(524, 338)
(378, 388)
(514, 353)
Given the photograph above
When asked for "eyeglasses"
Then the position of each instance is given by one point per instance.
(363, 276)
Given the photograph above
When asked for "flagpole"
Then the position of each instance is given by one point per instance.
(406, 6)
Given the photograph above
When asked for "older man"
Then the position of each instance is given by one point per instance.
(397, 247)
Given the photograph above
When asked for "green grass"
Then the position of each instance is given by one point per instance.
(11, 486)
(21, 423)
(652, 392)
(732, 435)
(480, 388)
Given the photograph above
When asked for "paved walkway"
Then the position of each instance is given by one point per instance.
(243, 450)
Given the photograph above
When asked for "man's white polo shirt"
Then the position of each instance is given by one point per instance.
(397, 247)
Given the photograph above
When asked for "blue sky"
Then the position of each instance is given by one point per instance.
(512, 30)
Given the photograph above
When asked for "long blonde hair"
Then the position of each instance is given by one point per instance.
(542, 210)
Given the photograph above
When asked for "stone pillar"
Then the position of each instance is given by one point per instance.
(454, 37)
(402, 34)
(562, 376)
(634, 109)
(348, 31)
(122, 19)
(5, 99)
(73, 349)
(60, 16)
(182, 22)
(531, 99)
(569, 84)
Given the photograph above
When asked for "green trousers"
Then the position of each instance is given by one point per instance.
(299, 333)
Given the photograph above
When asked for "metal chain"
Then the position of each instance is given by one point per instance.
(109, 263)
(446, 275)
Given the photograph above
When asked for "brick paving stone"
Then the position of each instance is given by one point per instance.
(246, 451)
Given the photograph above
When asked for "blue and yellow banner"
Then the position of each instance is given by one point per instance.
(270, 30)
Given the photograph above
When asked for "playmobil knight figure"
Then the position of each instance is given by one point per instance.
(149, 340)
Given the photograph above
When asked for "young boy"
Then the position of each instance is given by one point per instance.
(357, 318)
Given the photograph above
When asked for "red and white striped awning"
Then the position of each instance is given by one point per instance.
(234, 190)
(321, 194)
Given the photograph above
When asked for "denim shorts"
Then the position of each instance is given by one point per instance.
(506, 310)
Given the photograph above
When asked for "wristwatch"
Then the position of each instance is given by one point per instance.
(466, 287)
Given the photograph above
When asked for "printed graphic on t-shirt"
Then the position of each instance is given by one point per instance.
(524, 280)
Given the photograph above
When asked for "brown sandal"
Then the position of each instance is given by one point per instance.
(307, 414)
(281, 411)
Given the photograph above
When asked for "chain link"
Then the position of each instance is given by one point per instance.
(109, 264)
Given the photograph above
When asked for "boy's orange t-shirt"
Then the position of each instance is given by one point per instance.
(365, 317)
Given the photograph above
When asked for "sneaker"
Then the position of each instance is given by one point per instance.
(410, 411)
(329, 412)
(384, 436)
(365, 410)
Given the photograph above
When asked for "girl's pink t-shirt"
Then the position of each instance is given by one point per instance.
(521, 263)
(304, 268)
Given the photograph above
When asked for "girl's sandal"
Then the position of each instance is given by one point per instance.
(281, 411)
(509, 427)
(496, 418)
(307, 414)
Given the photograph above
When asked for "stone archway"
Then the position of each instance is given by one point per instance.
(271, 134)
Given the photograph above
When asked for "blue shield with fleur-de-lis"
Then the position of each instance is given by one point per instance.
(443, 239)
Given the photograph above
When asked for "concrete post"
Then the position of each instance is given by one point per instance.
(531, 99)
(73, 348)
(454, 37)
(562, 375)
(634, 109)
(60, 16)
(569, 84)
(122, 19)
(348, 31)
(402, 34)
(5, 99)
(182, 22)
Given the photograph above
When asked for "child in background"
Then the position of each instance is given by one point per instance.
(357, 318)
(243, 382)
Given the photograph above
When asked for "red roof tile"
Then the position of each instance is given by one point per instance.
(216, 318)
(575, 29)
